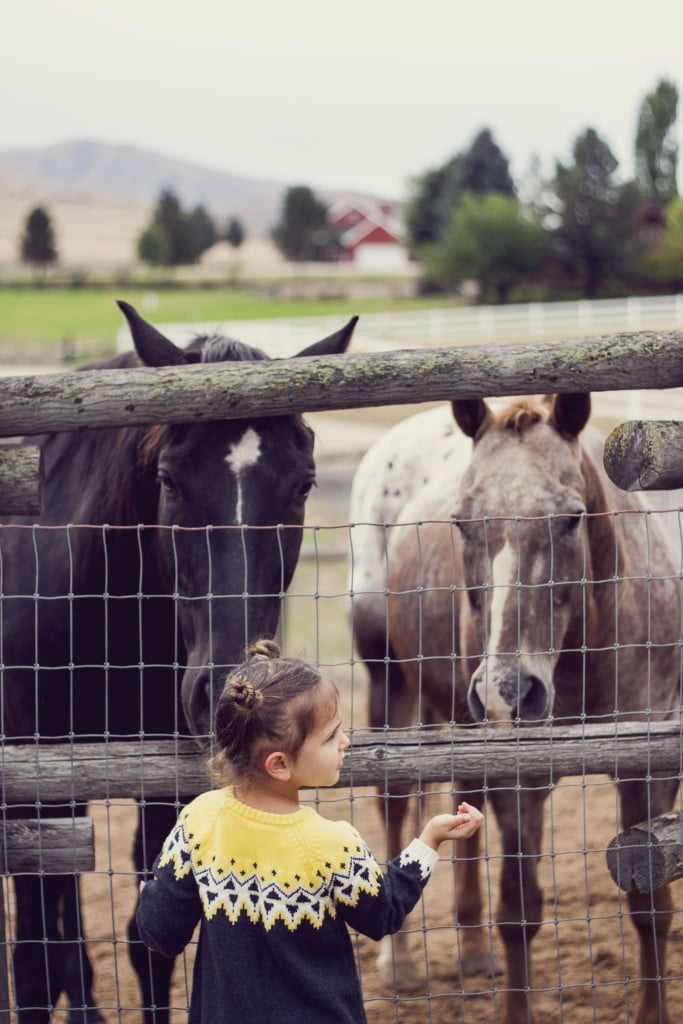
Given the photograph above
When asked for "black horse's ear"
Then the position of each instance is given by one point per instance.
(151, 345)
(571, 413)
(334, 344)
(470, 414)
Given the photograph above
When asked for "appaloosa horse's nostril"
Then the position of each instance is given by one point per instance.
(508, 697)
(534, 702)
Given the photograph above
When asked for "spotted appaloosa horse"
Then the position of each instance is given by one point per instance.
(160, 553)
(523, 596)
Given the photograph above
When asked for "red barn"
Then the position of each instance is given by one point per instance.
(371, 233)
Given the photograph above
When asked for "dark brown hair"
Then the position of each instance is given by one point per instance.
(268, 703)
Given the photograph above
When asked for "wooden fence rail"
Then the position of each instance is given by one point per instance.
(154, 769)
(94, 398)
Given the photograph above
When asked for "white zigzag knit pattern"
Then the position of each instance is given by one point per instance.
(266, 900)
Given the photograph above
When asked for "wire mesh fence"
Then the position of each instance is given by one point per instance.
(583, 963)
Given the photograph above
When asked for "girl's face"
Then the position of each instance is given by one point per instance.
(320, 759)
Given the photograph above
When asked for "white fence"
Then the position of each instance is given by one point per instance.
(427, 328)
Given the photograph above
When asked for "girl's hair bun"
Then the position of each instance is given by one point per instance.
(263, 650)
(244, 695)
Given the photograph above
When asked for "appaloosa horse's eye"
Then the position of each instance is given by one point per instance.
(570, 523)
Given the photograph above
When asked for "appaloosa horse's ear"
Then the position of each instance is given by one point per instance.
(333, 344)
(571, 413)
(471, 414)
(151, 345)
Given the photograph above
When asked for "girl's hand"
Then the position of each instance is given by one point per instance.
(462, 825)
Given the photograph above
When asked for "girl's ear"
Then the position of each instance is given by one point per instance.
(277, 766)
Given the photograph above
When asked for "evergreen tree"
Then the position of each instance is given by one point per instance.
(174, 236)
(478, 170)
(200, 233)
(38, 244)
(597, 238)
(303, 232)
(234, 233)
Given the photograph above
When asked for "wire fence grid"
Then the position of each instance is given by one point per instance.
(585, 956)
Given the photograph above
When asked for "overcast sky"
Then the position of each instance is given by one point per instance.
(362, 94)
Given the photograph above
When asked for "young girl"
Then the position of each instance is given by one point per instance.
(275, 884)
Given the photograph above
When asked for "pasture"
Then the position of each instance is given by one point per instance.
(37, 323)
(585, 956)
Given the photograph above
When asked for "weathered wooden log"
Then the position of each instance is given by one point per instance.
(50, 846)
(115, 397)
(152, 769)
(648, 855)
(21, 480)
(645, 455)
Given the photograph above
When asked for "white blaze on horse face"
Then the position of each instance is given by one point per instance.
(502, 578)
(243, 454)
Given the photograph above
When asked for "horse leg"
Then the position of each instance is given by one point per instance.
(78, 972)
(153, 971)
(520, 819)
(38, 960)
(392, 703)
(650, 912)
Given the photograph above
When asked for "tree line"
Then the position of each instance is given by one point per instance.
(580, 232)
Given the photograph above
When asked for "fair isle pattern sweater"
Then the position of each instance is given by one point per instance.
(274, 894)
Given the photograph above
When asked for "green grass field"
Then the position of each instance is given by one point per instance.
(41, 322)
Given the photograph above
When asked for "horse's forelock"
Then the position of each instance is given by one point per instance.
(521, 416)
(151, 442)
(215, 348)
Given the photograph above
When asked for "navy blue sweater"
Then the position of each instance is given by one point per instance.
(274, 894)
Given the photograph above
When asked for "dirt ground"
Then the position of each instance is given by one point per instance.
(585, 956)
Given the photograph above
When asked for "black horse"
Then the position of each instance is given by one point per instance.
(125, 604)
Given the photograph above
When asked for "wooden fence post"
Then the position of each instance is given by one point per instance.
(648, 855)
(50, 846)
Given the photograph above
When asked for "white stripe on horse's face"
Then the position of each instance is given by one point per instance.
(502, 579)
(243, 454)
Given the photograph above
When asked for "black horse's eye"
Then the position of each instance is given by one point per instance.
(305, 487)
(165, 481)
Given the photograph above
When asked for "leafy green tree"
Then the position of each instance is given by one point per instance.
(38, 245)
(234, 233)
(656, 148)
(490, 240)
(662, 265)
(478, 170)
(303, 232)
(153, 246)
(596, 242)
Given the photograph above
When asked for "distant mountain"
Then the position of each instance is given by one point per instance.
(138, 175)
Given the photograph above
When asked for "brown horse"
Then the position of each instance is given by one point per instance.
(517, 593)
